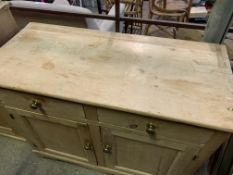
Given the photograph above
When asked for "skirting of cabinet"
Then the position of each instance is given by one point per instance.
(7, 132)
(83, 164)
(208, 149)
(6, 125)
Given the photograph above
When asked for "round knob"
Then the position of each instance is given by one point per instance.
(107, 149)
(35, 104)
(88, 146)
(150, 128)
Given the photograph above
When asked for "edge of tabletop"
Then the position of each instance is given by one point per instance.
(134, 111)
(168, 42)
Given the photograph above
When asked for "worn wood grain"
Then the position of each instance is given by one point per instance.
(175, 80)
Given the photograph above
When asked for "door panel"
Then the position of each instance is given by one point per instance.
(64, 138)
(139, 154)
(7, 124)
(163, 156)
(58, 137)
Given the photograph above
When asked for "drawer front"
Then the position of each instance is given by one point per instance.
(42, 105)
(155, 127)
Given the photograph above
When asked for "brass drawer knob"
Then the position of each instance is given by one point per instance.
(88, 146)
(107, 149)
(150, 128)
(35, 104)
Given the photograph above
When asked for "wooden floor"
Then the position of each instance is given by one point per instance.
(16, 158)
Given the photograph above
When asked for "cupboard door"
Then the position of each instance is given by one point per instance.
(4, 123)
(59, 137)
(7, 125)
(141, 154)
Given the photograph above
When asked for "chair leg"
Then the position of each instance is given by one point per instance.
(131, 27)
(174, 33)
(180, 19)
(126, 26)
(148, 25)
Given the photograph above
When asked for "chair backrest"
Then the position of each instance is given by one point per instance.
(9, 27)
(162, 5)
(174, 8)
(109, 3)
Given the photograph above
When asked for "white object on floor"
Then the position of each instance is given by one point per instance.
(61, 2)
(109, 25)
(198, 12)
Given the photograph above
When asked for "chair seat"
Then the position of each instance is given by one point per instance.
(173, 10)
(166, 14)
(176, 5)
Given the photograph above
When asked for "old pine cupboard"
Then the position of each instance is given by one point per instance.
(117, 103)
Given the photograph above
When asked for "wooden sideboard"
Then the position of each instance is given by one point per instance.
(117, 103)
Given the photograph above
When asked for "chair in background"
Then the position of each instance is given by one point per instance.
(169, 10)
(133, 8)
(8, 27)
